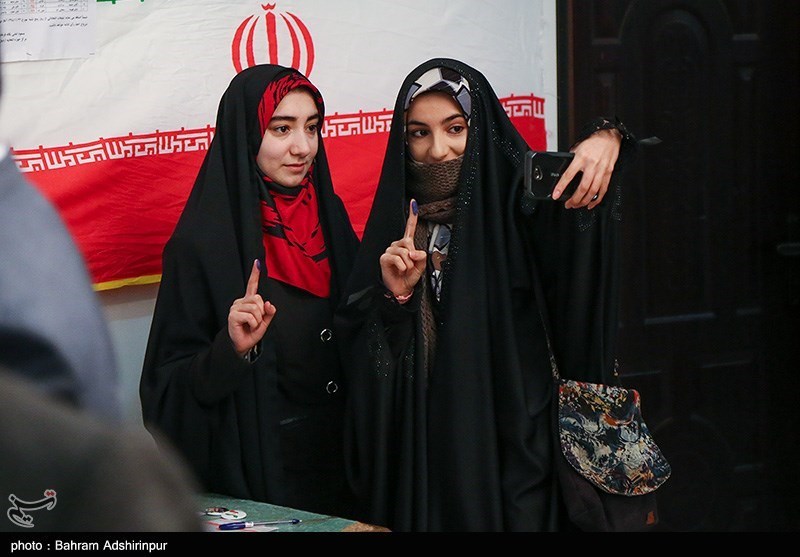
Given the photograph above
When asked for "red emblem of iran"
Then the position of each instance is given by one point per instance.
(273, 37)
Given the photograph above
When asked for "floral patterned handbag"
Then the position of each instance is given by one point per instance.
(607, 463)
(604, 438)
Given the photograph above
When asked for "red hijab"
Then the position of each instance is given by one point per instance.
(295, 248)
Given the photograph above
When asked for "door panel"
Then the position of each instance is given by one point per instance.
(711, 225)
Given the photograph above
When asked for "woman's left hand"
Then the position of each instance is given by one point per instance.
(595, 156)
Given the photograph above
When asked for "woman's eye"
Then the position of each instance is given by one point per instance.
(313, 128)
(281, 129)
(417, 133)
(458, 128)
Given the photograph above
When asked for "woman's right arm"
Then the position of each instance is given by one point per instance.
(190, 360)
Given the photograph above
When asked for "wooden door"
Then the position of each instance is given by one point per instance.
(711, 240)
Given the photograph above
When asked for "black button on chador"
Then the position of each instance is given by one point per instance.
(325, 335)
(331, 387)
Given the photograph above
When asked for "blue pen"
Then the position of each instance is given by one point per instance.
(245, 524)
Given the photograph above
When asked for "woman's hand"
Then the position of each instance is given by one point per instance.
(249, 316)
(595, 156)
(402, 264)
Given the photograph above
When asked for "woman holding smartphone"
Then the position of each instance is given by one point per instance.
(448, 418)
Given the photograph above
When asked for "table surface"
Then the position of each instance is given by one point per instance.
(258, 511)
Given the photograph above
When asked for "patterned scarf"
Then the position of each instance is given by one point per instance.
(295, 248)
(434, 186)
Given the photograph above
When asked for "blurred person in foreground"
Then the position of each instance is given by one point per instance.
(45, 290)
(66, 465)
(64, 470)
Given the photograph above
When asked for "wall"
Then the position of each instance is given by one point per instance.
(129, 311)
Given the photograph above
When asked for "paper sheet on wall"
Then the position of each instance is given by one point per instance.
(46, 29)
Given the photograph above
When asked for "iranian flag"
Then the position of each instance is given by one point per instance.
(115, 139)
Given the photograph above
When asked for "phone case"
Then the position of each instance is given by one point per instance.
(543, 169)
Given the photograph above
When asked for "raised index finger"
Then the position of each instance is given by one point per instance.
(411, 223)
(252, 282)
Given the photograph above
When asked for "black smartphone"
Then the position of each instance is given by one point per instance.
(543, 170)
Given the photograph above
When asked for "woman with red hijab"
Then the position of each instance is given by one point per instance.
(242, 370)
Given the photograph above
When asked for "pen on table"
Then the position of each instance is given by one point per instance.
(246, 524)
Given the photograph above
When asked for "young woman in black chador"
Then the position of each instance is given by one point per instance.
(242, 371)
(448, 424)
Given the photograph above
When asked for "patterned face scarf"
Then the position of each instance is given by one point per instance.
(295, 248)
(434, 186)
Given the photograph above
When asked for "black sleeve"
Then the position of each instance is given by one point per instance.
(217, 371)
(629, 146)
(191, 375)
(189, 351)
(577, 256)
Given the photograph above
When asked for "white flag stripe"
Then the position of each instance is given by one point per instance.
(163, 65)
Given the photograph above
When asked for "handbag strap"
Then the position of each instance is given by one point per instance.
(541, 304)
